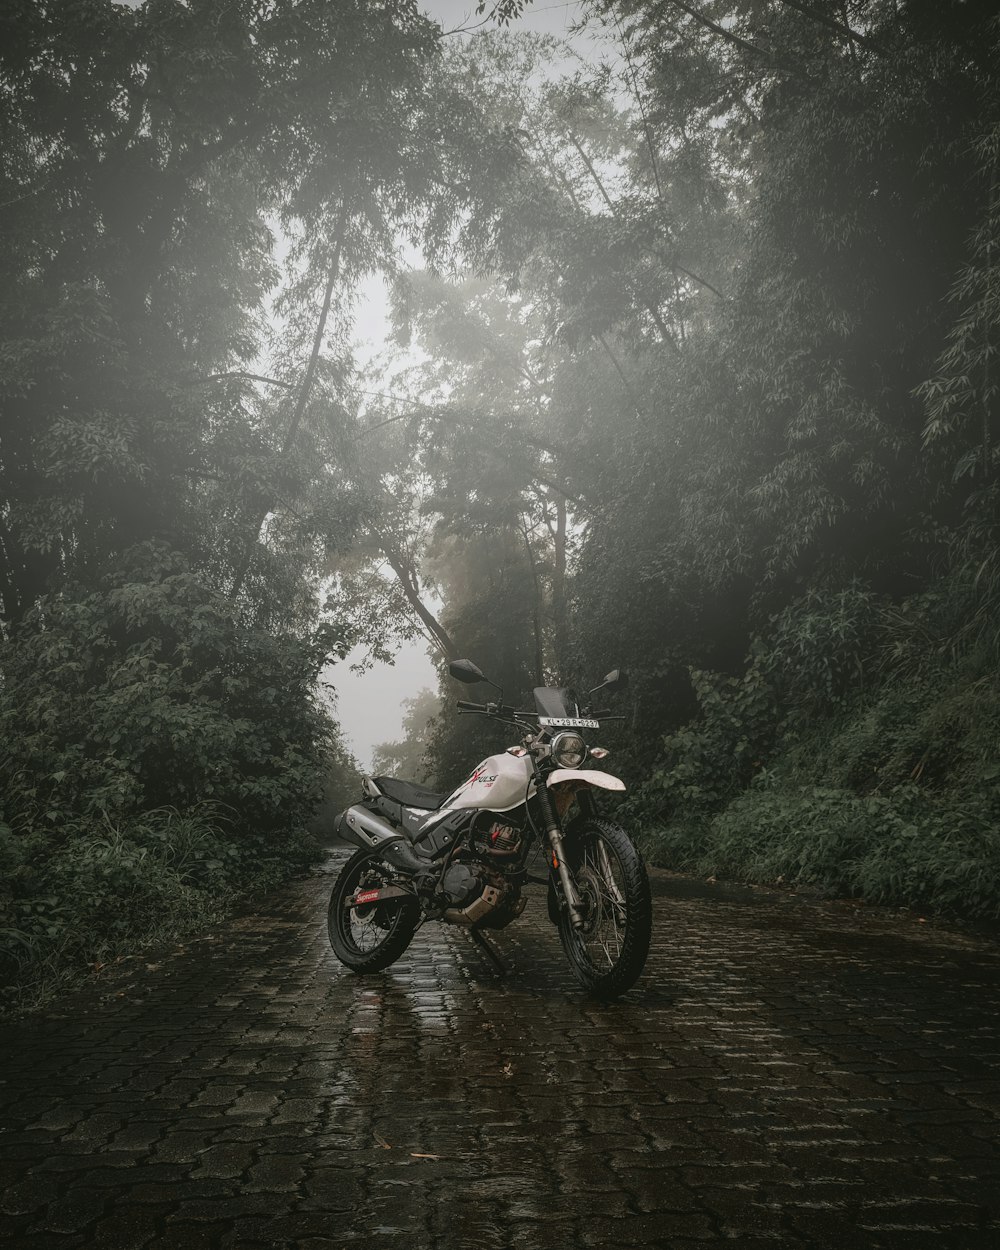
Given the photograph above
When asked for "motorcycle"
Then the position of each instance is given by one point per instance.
(464, 858)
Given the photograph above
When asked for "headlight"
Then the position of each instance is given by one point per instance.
(569, 750)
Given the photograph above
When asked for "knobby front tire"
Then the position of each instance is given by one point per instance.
(609, 953)
(368, 939)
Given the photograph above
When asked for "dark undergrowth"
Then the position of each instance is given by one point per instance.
(160, 757)
(859, 755)
(114, 890)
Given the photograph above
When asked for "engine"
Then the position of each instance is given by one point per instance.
(462, 883)
(476, 890)
(495, 839)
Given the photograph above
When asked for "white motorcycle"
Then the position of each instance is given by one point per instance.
(464, 858)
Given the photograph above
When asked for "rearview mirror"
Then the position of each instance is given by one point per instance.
(465, 670)
(616, 680)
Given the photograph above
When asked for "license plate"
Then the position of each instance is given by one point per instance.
(568, 722)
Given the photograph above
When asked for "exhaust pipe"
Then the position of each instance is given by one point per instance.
(364, 828)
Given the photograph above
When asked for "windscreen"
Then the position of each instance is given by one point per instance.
(553, 701)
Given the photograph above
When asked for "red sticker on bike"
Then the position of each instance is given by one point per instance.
(366, 896)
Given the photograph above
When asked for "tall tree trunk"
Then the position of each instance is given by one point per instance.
(559, 621)
(303, 397)
(407, 576)
(536, 608)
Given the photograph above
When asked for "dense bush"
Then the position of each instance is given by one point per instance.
(881, 778)
(817, 650)
(341, 787)
(904, 846)
(109, 889)
(146, 691)
(159, 755)
(715, 757)
(811, 662)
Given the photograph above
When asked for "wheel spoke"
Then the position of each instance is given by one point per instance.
(603, 936)
(608, 949)
(369, 926)
(369, 937)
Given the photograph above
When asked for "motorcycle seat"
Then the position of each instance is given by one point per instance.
(409, 793)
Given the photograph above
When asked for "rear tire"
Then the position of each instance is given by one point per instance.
(609, 953)
(368, 939)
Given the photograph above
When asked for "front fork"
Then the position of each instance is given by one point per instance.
(553, 831)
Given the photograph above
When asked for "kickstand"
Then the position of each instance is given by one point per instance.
(492, 958)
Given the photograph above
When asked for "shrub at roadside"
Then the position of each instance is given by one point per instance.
(905, 846)
(159, 757)
(878, 774)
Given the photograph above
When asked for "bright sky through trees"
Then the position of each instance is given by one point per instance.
(369, 704)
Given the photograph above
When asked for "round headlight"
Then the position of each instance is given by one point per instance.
(569, 750)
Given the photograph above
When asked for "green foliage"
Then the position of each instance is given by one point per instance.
(407, 758)
(810, 663)
(147, 692)
(107, 889)
(817, 650)
(159, 758)
(886, 788)
(712, 759)
(341, 787)
(961, 397)
(905, 846)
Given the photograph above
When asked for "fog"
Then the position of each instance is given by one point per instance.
(369, 703)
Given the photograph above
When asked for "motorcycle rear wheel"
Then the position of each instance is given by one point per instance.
(609, 953)
(368, 939)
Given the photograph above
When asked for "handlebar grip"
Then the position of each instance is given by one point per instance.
(465, 706)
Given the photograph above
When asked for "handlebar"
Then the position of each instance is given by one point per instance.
(500, 710)
(505, 713)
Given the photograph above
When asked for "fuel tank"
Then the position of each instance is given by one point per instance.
(498, 784)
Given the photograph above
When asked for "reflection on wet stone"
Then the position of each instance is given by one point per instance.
(786, 1073)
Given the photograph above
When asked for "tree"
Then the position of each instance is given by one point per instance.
(407, 757)
(140, 183)
(169, 499)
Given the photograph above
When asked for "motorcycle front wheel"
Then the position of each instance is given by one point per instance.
(369, 938)
(609, 952)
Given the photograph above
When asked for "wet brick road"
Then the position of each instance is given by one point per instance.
(786, 1074)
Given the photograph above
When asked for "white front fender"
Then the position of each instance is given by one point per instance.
(589, 776)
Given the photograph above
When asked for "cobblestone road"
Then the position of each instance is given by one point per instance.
(785, 1074)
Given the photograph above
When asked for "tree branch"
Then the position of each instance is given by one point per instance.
(239, 373)
(300, 405)
(303, 397)
(823, 19)
(733, 38)
(408, 584)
